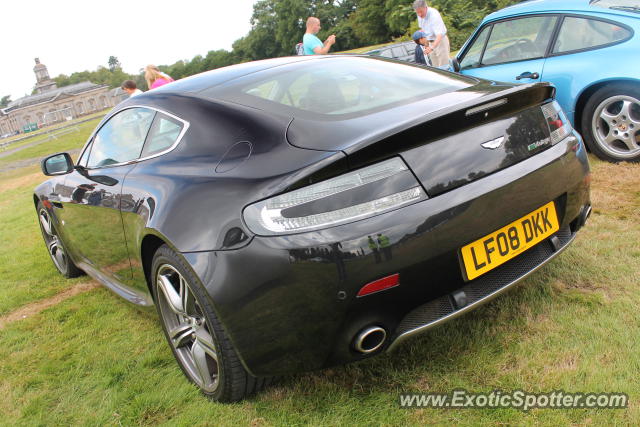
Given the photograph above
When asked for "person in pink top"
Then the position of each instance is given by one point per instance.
(154, 77)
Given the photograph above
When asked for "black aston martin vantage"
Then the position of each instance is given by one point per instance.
(297, 213)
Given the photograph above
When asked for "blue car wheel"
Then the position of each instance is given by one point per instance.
(611, 123)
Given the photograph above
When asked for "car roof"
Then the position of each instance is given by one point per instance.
(207, 83)
(536, 6)
(208, 79)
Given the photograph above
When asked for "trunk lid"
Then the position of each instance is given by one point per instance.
(448, 140)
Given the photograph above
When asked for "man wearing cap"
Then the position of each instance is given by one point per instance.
(421, 41)
(430, 21)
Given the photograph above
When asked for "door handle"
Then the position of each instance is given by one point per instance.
(528, 75)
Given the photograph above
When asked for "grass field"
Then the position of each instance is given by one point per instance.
(27, 138)
(75, 354)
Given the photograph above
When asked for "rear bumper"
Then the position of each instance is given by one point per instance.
(481, 290)
(289, 303)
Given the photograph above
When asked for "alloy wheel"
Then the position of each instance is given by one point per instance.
(616, 126)
(55, 248)
(187, 328)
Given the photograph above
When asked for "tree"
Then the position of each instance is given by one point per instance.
(368, 22)
(399, 16)
(277, 25)
(114, 64)
(290, 24)
(5, 100)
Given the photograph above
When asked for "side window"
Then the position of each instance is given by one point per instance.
(164, 133)
(266, 90)
(386, 53)
(519, 39)
(398, 52)
(582, 33)
(121, 138)
(472, 57)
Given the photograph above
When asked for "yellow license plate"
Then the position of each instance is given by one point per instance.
(500, 246)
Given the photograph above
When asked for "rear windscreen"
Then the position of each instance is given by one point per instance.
(346, 85)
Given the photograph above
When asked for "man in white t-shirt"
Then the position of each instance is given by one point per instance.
(430, 21)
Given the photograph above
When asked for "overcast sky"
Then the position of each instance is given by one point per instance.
(72, 35)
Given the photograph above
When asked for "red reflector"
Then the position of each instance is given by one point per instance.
(47, 204)
(380, 285)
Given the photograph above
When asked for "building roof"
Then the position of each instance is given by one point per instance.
(74, 89)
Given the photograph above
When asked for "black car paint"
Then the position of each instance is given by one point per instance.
(284, 310)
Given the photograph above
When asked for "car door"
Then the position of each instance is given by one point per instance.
(91, 208)
(512, 50)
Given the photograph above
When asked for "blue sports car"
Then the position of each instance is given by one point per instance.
(588, 49)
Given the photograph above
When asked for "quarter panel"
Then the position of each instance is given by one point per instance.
(573, 73)
(289, 304)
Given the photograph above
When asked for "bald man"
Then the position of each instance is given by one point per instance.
(312, 44)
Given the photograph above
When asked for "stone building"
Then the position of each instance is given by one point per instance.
(51, 104)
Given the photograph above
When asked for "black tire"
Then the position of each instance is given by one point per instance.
(55, 246)
(199, 332)
(611, 123)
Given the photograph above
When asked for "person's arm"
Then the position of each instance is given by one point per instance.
(434, 45)
(326, 46)
(439, 29)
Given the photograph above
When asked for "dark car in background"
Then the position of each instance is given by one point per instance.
(298, 213)
(588, 49)
(404, 51)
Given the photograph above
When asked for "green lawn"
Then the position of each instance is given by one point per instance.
(75, 139)
(44, 132)
(94, 359)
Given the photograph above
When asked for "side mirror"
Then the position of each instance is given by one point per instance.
(455, 64)
(57, 164)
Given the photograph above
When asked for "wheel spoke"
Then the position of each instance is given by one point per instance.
(610, 138)
(46, 223)
(60, 258)
(630, 143)
(53, 247)
(181, 334)
(625, 111)
(206, 341)
(172, 297)
(186, 296)
(608, 117)
(199, 353)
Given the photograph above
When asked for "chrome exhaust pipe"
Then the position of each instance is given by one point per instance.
(369, 339)
(585, 213)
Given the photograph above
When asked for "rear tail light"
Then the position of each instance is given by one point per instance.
(559, 126)
(366, 192)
